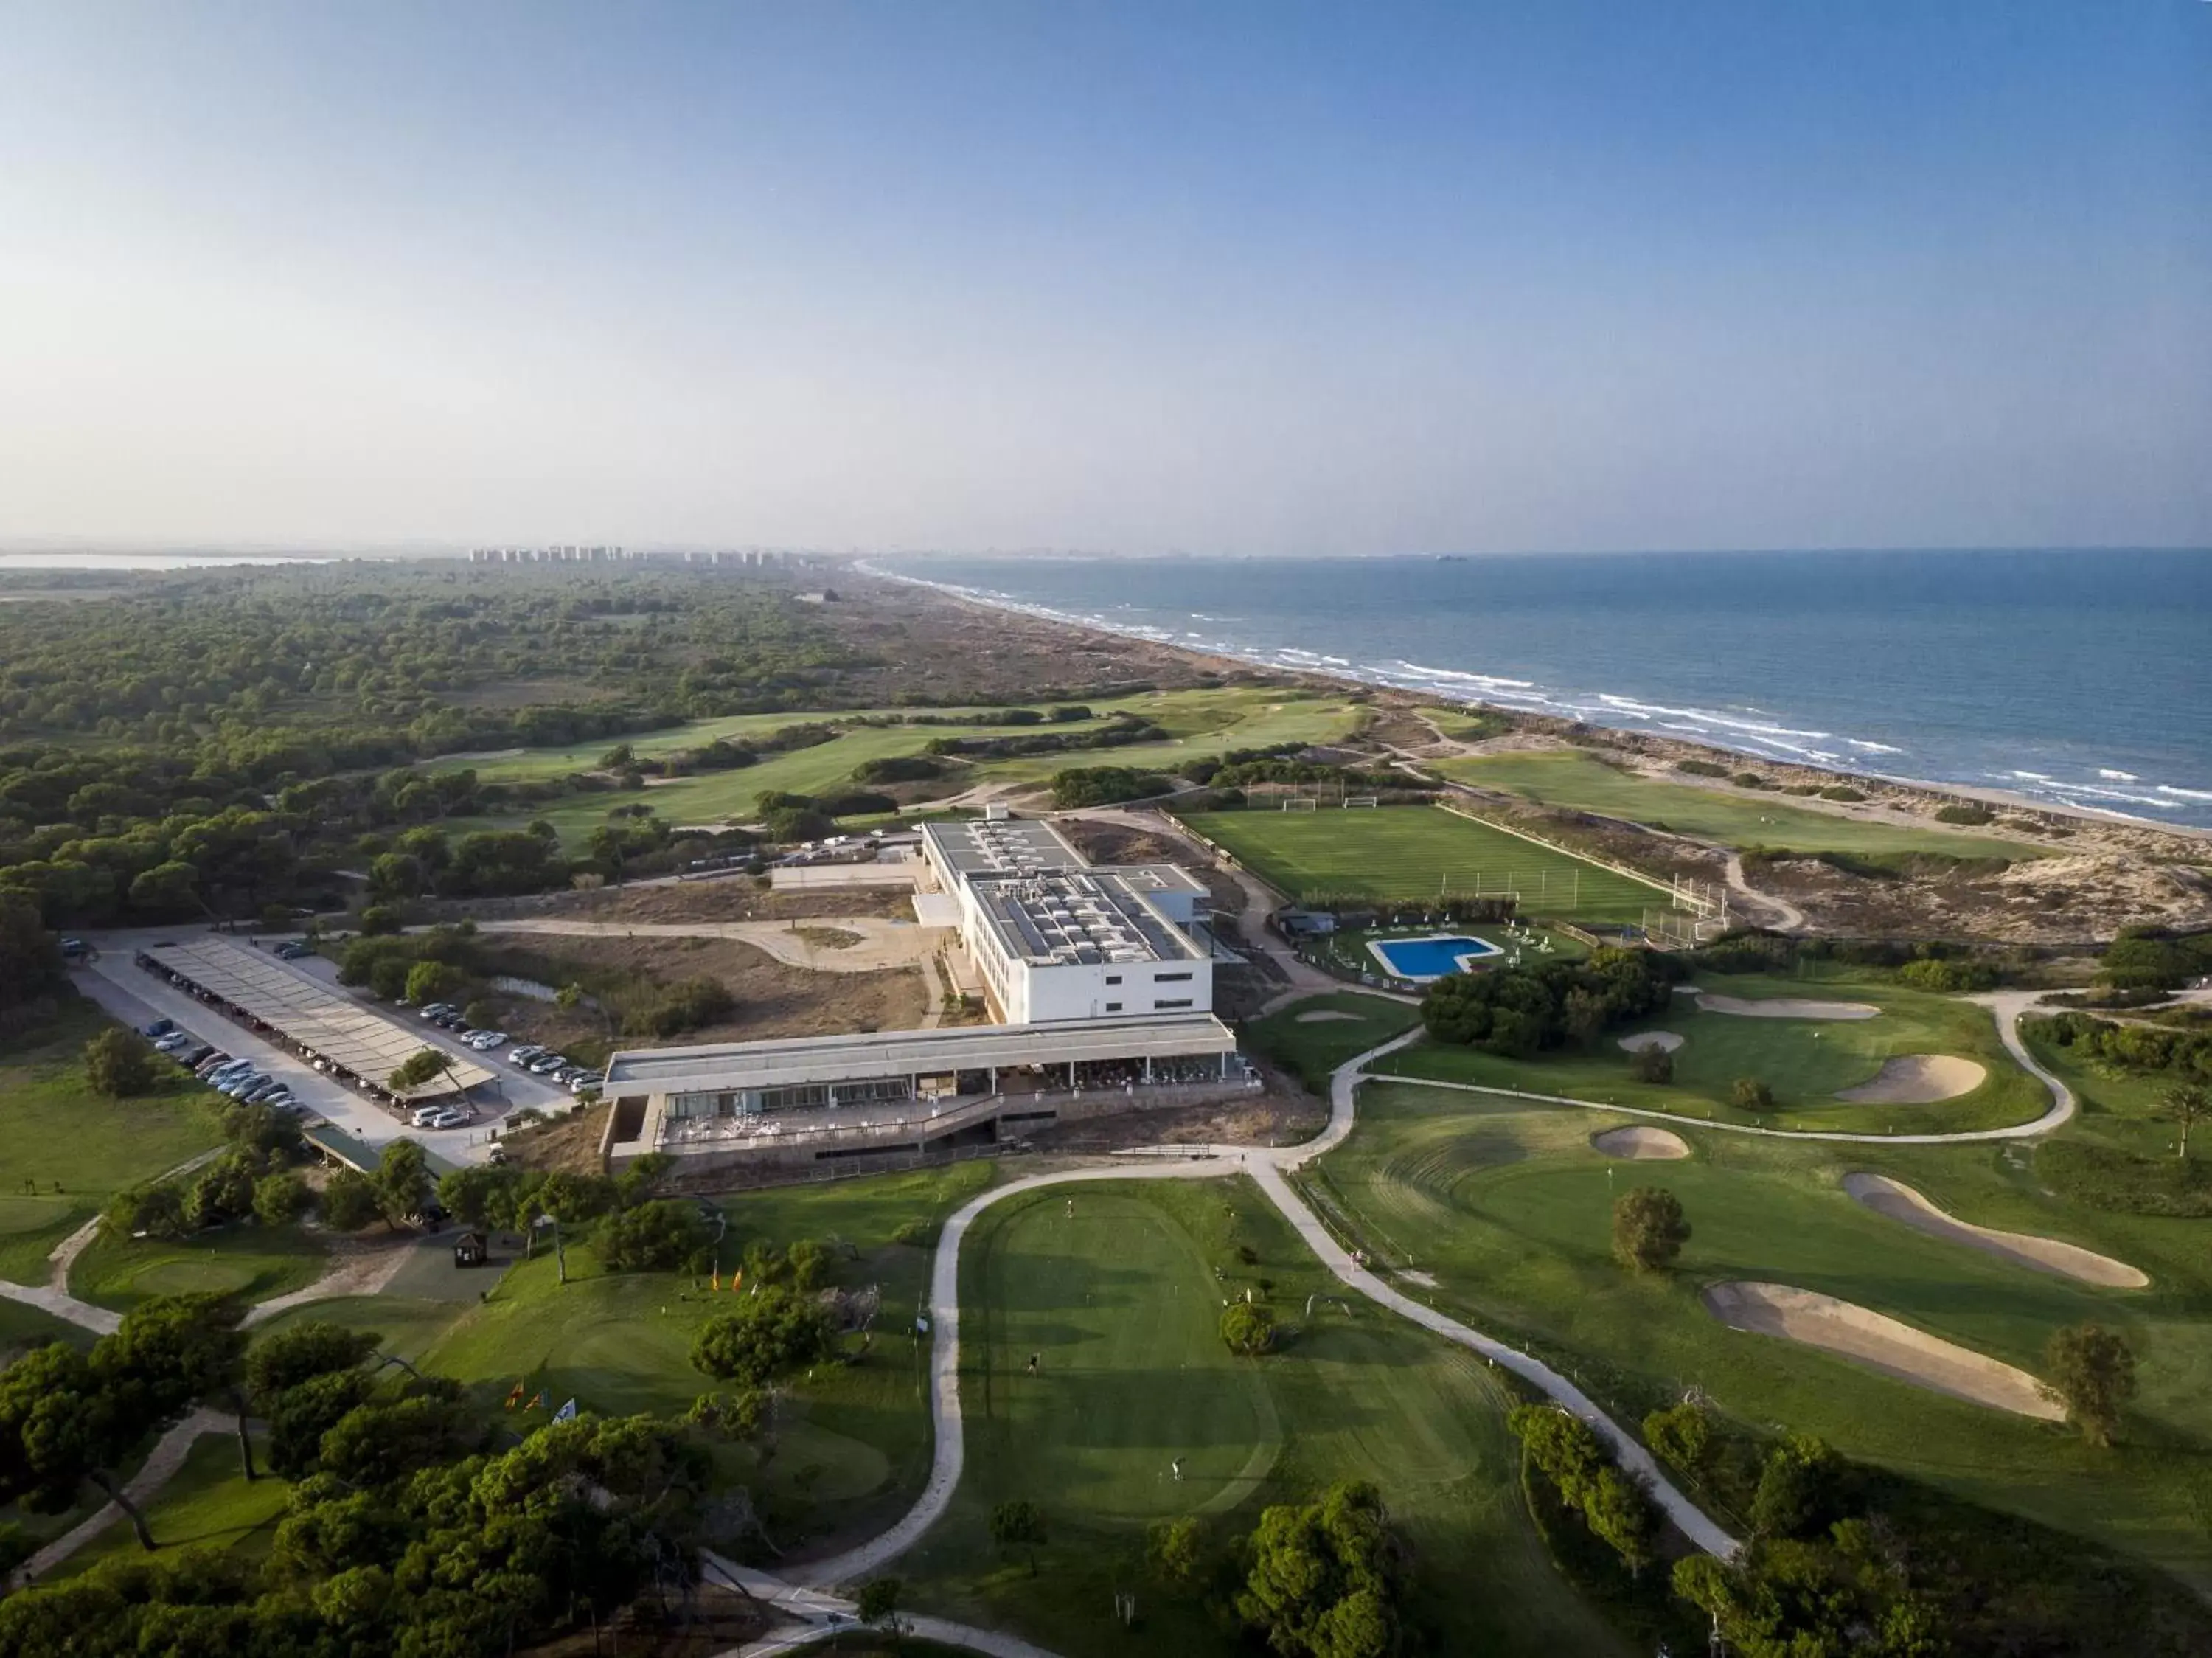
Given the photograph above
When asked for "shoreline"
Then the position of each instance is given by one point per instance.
(1337, 673)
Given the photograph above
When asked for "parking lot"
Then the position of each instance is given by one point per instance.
(139, 998)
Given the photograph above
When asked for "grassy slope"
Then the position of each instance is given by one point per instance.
(247, 1260)
(1576, 781)
(1408, 851)
(54, 1127)
(207, 1504)
(1313, 1048)
(1507, 1205)
(852, 1444)
(1805, 1062)
(1122, 1301)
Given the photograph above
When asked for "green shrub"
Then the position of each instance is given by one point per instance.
(1750, 780)
(1701, 768)
(1970, 814)
(1845, 792)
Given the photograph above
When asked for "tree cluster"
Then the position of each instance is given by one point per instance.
(2136, 1047)
(1104, 785)
(1328, 1578)
(254, 1177)
(1519, 1011)
(1567, 1452)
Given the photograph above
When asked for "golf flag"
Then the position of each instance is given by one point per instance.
(567, 1413)
(514, 1398)
(715, 1281)
(737, 1277)
(537, 1402)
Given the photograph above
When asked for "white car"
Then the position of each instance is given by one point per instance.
(449, 1118)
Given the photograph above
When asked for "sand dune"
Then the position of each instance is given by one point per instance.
(1641, 1145)
(1901, 1203)
(1879, 1342)
(1665, 1041)
(1919, 1079)
(1784, 1006)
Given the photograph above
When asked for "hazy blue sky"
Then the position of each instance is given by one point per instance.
(1267, 278)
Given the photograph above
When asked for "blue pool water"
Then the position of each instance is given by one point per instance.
(1429, 957)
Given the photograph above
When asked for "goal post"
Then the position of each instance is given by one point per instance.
(1354, 802)
(1300, 803)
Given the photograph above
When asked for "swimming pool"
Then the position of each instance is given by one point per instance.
(1423, 959)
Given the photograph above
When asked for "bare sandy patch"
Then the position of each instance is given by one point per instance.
(1665, 1041)
(1784, 1006)
(1919, 1079)
(1901, 1203)
(1642, 1145)
(1879, 1342)
(1327, 1015)
(1426, 1280)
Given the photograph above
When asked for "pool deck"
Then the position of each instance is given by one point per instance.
(1432, 956)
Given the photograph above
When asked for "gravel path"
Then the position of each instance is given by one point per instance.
(877, 944)
(160, 1466)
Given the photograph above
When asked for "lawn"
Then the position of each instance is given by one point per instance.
(1805, 1062)
(77, 1147)
(851, 1446)
(1507, 1205)
(1121, 1300)
(207, 1504)
(1413, 852)
(1582, 783)
(1314, 1047)
(1201, 723)
(245, 1259)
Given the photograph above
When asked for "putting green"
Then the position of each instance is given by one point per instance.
(1502, 1202)
(1806, 1063)
(1137, 1375)
(1123, 1312)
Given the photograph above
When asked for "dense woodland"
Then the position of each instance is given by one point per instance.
(209, 745)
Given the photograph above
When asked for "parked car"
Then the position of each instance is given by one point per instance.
(447, 1118)
(227, 1073)
(239, 1089)
(207, 1067)
(432, 1010)
(260, 1095)
(294, 952)
(484, 1041)
(523, 1053)
(420, 1116)
(158, 1027)
(174, 1042)
(551, 1061)
(590, 1079)
(190, 1056)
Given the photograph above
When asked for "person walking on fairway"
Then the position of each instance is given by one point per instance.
(1035, 1360)
(1176, 1468)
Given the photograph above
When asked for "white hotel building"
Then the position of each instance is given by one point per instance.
(1100, 979)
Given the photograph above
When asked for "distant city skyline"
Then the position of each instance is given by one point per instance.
(1243, 279)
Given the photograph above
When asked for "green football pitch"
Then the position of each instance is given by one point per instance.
(1403, 852)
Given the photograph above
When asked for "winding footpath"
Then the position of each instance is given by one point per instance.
(2006, 1005)
(808, 1595)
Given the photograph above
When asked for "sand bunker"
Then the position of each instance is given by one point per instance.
(1665, 1041)
(1869, 1338)
(1641, 1145)
(1784, 1006)
(1323, 1015)
(1901, 1203)
(1918, 1079)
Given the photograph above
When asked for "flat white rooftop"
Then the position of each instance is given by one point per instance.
(309, 1015)
(1063, 917)
(979, 846)
(734, 1065)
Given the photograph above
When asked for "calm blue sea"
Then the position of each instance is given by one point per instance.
(2080, 678)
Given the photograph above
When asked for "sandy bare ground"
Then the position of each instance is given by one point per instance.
(1879, 1342)
(1785, 1007)
(1665, 1041)
(877, 944)
(359, 1266)
(1326, 1015)
(1642, 1145)
(1919, 1079)
(1901, 1203)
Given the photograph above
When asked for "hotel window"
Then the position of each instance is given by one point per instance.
(1112, 979)
(1182, 1003)
(1170, 978)
(1113, 1007)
